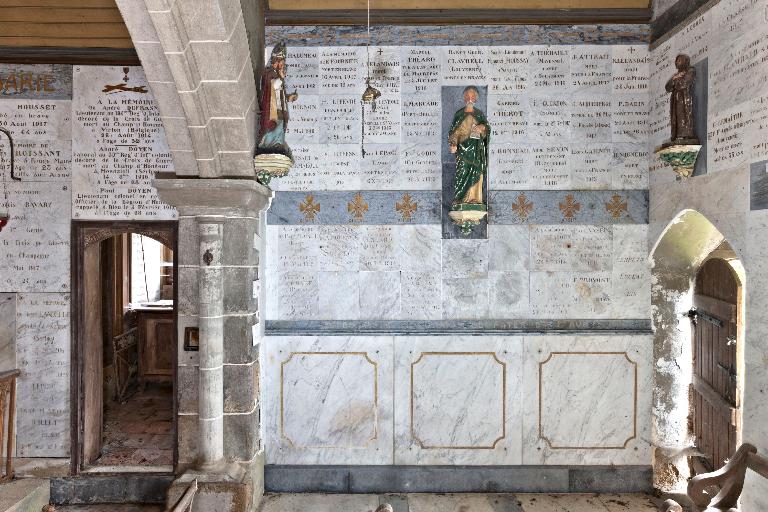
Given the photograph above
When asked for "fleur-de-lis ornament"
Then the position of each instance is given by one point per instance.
(570, 207)
(406, 207)
(358, 207)
(616, 206)
(522, 207)
(309, 208)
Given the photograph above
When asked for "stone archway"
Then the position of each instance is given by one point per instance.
(686, 243)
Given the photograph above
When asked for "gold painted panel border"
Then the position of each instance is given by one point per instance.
(364, 355)
(541, 401)
(503, 402)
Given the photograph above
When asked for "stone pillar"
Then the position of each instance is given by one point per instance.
(218, 256)
(211, 338)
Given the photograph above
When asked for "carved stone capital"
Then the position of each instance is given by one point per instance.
(196, 197)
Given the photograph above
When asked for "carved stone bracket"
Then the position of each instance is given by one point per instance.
(682, 158)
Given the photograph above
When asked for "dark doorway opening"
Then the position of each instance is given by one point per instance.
(124, 346)
(715, 393)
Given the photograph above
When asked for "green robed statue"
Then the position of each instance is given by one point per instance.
(468, 139)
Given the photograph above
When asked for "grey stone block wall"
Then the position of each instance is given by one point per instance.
(240, 259)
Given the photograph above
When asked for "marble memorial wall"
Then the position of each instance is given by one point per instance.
(87, 142)
(567, 179)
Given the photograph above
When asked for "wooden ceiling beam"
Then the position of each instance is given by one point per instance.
(459, 17)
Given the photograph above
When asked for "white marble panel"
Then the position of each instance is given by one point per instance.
(382, 125)
(587, 400)
(508, 294)
(297, 248)
(420, 166)
(339, 248)
(421, 122)
(420, 247)
(457, 400)
(630, 118)
(339, 168)
(421, 67)
(591, 118)
(308, 161)
(591, 166)
(549, 119)
(591, 69)
(510, 166)
(631, 278)
(380, 163)
(757, 132)
(508, 70)
(298, 295)
(379, 248)
(42, 139)
(35, 245)
(465, 298)
(385, 68)
(508, 116)
(421, 295)
(630, 166)
(571, 248)
(7, 332)
(585, 295)
(118, 145)
(696, 39)
(270, 273)
(338, 295)
(43, 356)
(551, 168)
(465, 65)
(465, 258)
(303, 126)
(509, 247)
(328, 400)
(549, 68)
(342, 70)
(340, 118)
(380, 295)
(727, 148)
(303, 74)
(630, 69)
(732, 18)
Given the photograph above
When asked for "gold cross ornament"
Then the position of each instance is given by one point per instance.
(406, 208)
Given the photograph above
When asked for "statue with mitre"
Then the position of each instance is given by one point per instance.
(273, 156)
(468, 139)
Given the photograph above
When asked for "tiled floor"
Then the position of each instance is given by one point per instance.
(461, 503)
(139, 431)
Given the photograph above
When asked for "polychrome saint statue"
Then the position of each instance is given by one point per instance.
(681, 101)
(273, 101)
(468, 139)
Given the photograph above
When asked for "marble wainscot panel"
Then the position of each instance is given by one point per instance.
(42, 354)
(118, 144)
(587, 400)
(457, 400)
(7, 331)
(34, 250)
(329, 400)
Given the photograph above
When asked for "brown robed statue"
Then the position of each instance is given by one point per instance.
(681, 102)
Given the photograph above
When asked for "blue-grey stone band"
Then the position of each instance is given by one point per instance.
(458, 35)
(525, 326)
(457, 479)
(504, 207)
(758, 185)
(334, 207)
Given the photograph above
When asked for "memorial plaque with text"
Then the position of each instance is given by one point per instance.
(421, 118)
(758, 129)
(508, 116)
(118, 145)
(421, 70)
(630, 69)
(342, 70)
(43, 356)
(726, 148)
(465, 65)
(579, 248)
(420, 167)
(591, 69)
(508, 69)
(509, 166)
(591, 166)
(384, 69)
(591, 118)
(551, 166)
(549, 69)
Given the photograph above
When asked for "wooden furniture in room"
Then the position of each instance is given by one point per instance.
(156, 341)
(7, 389)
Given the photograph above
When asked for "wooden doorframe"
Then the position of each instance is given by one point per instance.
(84, 234)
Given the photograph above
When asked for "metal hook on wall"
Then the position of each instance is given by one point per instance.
(10, 141)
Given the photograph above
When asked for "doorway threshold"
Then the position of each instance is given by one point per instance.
(125, 468)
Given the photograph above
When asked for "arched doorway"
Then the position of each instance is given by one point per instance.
(716, 343)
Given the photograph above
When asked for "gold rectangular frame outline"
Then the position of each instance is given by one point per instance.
(503, 401)
(375, 400)
(541, 401)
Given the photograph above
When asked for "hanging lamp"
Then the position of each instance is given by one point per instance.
(371, 94)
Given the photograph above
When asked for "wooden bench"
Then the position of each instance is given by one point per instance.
(729, 479)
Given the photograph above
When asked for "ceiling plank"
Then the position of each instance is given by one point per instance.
(311, 5)
(459, 17)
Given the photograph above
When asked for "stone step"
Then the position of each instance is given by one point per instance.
(24, 495)
(90, 489)
(110, 507)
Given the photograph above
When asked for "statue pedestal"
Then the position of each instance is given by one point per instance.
(681, 155)
(467, 216)
(271, 165)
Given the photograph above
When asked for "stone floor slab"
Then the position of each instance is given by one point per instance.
(319, 503)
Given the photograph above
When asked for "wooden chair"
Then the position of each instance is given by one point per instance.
(7, 410)
(729, 479)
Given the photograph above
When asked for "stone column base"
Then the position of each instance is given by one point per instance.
(237, 487)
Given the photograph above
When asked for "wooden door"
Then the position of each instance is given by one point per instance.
(715, 396)
(92, 373)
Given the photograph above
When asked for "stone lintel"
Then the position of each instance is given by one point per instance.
(201, 197)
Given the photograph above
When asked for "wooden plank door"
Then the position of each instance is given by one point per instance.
(715, 395)
(92, 364)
